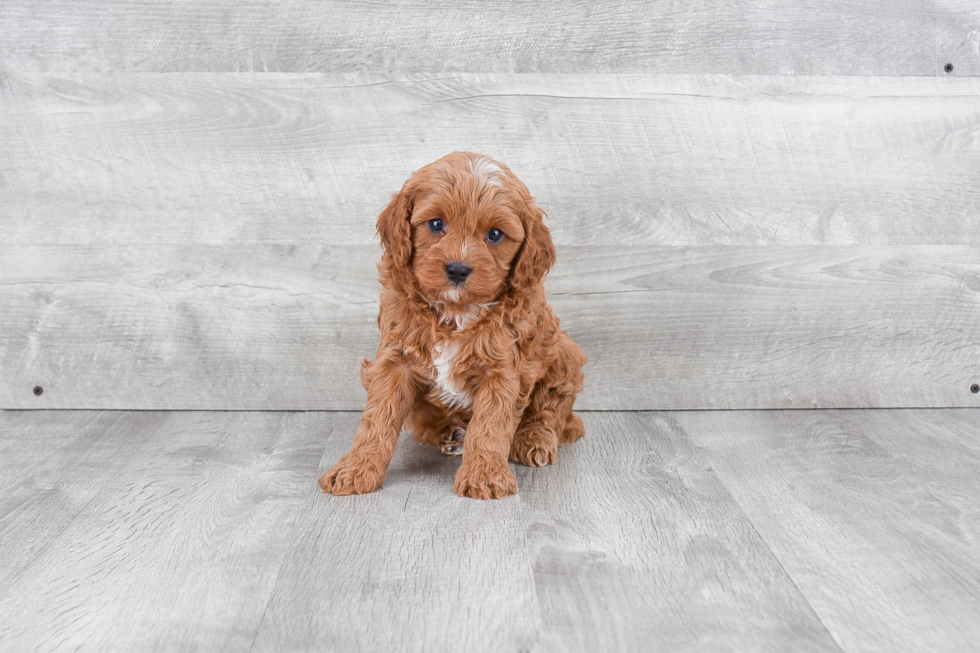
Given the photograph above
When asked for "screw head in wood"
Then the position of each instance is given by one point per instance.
(975, 388)
(948, 67)
(38, 390)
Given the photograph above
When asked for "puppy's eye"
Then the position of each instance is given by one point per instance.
(437, 226)
(495, 235)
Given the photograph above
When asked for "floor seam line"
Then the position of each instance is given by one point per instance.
(775, 558)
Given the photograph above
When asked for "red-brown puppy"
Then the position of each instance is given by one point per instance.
(468, 343)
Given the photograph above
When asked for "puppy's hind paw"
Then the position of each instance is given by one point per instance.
(452, 444)
(533, 452)
(534, 456)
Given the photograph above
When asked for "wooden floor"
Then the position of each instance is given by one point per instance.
(660, 531)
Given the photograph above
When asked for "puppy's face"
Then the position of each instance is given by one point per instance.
(465, 237)
(473, 230)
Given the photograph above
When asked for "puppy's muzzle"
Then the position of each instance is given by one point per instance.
(458, 272)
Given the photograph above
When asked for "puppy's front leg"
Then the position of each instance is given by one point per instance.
(391, 390)
(485, 473)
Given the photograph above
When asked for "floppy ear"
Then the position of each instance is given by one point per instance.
(537, 254)
(395, 230)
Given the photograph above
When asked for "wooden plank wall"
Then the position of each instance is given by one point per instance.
(760, 207)
(775, 37)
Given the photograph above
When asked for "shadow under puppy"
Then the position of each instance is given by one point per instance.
(471, 358)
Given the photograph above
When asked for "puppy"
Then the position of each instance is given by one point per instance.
(471, 358)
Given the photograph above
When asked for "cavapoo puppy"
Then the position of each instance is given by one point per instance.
(471, 360)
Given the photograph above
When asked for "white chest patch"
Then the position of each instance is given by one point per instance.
(449, 394)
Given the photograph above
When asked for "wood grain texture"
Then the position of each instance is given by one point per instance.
(885, 562)
(175, 547)
(51, 468)
(285, 327)
(614, 159)
(940, 449)
(684, 531)
(885, 37)
(411, 567)
(634, 539)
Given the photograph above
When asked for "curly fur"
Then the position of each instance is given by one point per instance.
(486, 356)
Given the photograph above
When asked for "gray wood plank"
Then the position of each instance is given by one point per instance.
(894, 37)
(637, 546)
(177, 550)
(614, 159)
(52, 467)
(411, 567)
(285, 327)
(774, 327)
(735, 531)
(941, 449)
(887, 564)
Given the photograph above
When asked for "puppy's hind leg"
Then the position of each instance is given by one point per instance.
(548, 421)
(574, 429)
(430, 424)
(426, 423)
(452, 444)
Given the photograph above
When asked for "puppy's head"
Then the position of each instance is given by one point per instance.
(468, 230)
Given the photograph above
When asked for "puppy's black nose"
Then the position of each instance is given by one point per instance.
(457, 272)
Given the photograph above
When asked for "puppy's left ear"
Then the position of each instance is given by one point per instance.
(395, 230)
(537, 254)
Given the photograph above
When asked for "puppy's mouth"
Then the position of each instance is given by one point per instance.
(453, 295)
(455, 283)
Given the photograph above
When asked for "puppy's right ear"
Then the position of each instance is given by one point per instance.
(395, 230)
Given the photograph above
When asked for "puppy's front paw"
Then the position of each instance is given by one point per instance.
(353, 474)
(485, 477)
